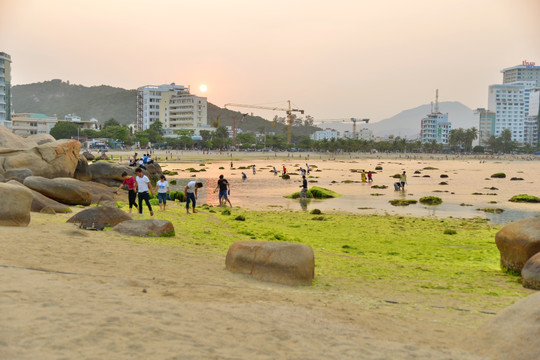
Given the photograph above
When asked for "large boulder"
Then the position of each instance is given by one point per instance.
(88, 155)
(145, 228)
(39, 201)
(39, 139)
(18, 174)
(110, 173)
(279, 262)
(513, 334)
(15, 205)
(530, 274)
(97, 218)
(517, 242)
(104, 172)
(99, 193)
(63, 190)
(52, 159)
(9, 140)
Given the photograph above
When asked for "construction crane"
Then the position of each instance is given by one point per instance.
(354, 120)
(289, 112)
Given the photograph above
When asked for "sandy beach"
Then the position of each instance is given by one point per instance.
(67, 293)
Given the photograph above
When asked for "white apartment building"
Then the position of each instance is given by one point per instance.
(327, 134)
(527, 71)
(511, 101)
(26, 124)
(5, 91)
(531, 129)
(173, 106)
(361, 134)
(435, 127)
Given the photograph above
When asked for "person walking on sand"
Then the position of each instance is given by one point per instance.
(364, 178)
(303, 192)
(369, 176)
(190, 191)
(403, 180)
(224, 191)
(132, 190)
(307, 168)
(274, 170)
(162, 191)
(254, 171)
(231, 164)
(284, 170)
(244, 176)
(143, 186)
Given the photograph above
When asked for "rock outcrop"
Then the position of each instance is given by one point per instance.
(50, 159)
(530, 274)
(279, 262)
(151, 228)
(97, 218)
(40, 202)
(109, 173)
(15, 205)
(517, 242)
(18, 174)
(513, 334)
(39, 139)
(99, 193)
(64, 190)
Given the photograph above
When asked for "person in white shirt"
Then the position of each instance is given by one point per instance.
(143, 186)
(162, 191)
(191, 193)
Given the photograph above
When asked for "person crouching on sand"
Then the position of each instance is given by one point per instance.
(132, 189)
(143, 186)
(190, 191)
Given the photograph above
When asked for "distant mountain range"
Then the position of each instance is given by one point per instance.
(56, 97)
(407, 122)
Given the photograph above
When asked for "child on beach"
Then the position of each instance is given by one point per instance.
(244, 176)
(163, 190)
(190, 191)
(143, 186)
(132, 189)
(370, 176)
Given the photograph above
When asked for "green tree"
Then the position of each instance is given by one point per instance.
(110, 122)
(64, 130)
(469, 136)
(506, 141)
(119, 133)
(206, 135)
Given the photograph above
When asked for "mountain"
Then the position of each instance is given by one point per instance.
(105, 102)
(62, 98)
(407, 122)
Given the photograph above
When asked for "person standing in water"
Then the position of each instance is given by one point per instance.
(303, 192)
(190, 191)
(370, 176)
(364, 176)
(224, 191)
(403, 180)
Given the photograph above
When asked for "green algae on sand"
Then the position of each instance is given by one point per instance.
(316, 192)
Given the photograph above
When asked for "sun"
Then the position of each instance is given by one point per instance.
(203, 88)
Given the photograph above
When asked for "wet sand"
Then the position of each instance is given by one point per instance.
(464, 177)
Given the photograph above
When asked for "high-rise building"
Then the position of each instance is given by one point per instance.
(511, 100)
(486, 125)
(435, 126)
(173, 106)
(5, 91)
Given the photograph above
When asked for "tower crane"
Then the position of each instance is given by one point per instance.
(354, 120)
(289, 112)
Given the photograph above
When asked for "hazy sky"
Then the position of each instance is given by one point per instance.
(334, 59)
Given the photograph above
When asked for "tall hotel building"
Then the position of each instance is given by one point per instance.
(511, 102)
(173, 106)
(5, 91)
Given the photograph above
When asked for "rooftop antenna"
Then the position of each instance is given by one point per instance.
(437, 100)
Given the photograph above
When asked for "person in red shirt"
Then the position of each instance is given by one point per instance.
(132, 189)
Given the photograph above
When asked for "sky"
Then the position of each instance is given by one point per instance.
(333, 59)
